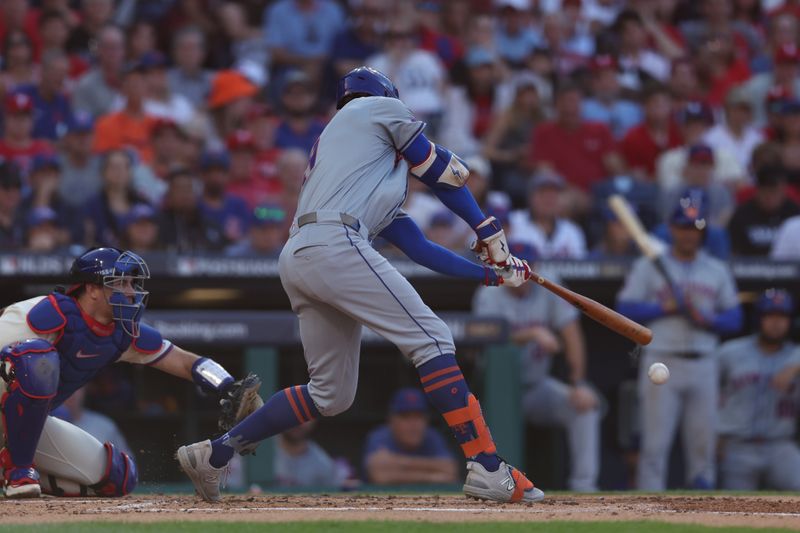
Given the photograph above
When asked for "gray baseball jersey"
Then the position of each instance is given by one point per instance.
(751, 408)
(355, 166)
(707, 281)
(537, 308)
(546, 400)
(335, 280)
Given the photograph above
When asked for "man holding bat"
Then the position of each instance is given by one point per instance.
(689, 299)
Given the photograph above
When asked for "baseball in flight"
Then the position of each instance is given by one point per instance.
(658, 373)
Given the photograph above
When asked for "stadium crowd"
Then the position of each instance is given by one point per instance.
(185, 125)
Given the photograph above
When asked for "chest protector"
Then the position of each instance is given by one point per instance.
(84, 345)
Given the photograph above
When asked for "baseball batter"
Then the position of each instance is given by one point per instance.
(760, 400)
(356, 181)
(687, 318)
(543, 325)
(52, 346)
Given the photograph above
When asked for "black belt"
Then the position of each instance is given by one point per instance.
(687, 355)
(347, 220)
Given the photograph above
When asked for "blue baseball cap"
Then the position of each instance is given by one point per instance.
(41, 215)
(215, 159)
(80, 122)
(408, 400)
(139, 212)
(444, 217)
(268, 215)
(45, 161)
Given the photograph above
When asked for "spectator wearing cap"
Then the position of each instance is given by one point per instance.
(105, 212)
(301, 462)
(418, 74)
(615, 240)
(784, 74)
(643, 196)
(606, 103)
(695, 120)
(361, 38)
(716, 241)
(736, 135)
(656, 134)
(224, 210)
(140, 229)
(52, 108)
(445, 231)
(160, 101)
(542, 226)
(98, 91)
(183, 229)
(246, 50)
(229, 100)
(44, 192)
(12, 223)
(406, 450)
(245, 180)
(543, 326)
(80, 167)
(298, 126)
(639, 64)
(19, 68)
(699, 172)
(266, 234)
(470, 109)
(582, 152)
(17, 144)
(42, 231)
(299, 33)
(777, 100)
(187, 76)
(515, 35)
(130, 127)
(506, 142)
(755, 222)
(54, 27)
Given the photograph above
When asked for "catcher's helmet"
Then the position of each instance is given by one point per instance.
(777, 301)
(364, 81)
(691, 210)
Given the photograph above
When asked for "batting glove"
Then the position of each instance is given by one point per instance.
(491, 244)
(514, 273)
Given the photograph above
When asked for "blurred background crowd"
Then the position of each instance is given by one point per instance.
(185, 125)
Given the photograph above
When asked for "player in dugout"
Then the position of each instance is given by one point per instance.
(52, 345)
(355, 184)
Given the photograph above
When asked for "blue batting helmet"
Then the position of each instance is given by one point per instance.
(364, 81)
(122, 272)
(775, 301)
(691, 209)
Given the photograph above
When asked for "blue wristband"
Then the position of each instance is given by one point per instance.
(210, 376)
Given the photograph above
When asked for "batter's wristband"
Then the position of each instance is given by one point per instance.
(488, 230)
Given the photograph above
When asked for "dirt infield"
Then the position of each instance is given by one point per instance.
(754, 511)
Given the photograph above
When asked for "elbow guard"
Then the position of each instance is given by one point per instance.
(441, 168)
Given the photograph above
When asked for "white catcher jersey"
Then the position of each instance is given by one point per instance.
(14, 327)
(537, 308)
(751, 408)
(356, 168)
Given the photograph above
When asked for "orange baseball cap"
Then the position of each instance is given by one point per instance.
(227, 86)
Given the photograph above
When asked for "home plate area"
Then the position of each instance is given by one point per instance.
(763, 511)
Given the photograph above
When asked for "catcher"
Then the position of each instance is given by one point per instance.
(52, 345)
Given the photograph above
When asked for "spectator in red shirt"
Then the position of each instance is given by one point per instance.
(582, 152)
(18, 144)
(642, 145)
(262, 122)
(245, 180)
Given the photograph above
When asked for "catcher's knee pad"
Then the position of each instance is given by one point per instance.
(121, 475)
(32, 367)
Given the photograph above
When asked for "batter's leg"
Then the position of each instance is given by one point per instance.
(331, 342)
(784, 466)
(661, 408)
(548, 403)
(699, 424)
(741, 466)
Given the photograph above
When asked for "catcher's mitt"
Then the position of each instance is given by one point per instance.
(239, 400)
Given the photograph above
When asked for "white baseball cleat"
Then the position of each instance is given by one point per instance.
(505, 485)
(22, 483)
(205, 478)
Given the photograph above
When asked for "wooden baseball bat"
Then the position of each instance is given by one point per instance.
(599, 312)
